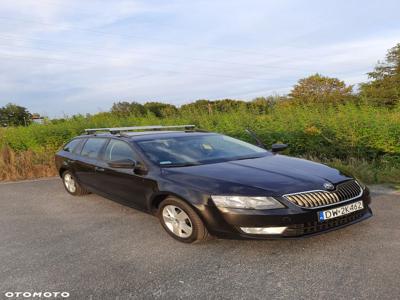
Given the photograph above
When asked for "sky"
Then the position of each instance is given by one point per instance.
(63, 57)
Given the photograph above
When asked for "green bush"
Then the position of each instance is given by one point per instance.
(340, 135)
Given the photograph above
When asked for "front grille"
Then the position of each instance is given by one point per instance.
(344, 191)
(314, 227)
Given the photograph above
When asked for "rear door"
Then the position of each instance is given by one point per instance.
(124, 184)
(87, 164)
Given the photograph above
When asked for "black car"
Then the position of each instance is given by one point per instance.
(203, 184)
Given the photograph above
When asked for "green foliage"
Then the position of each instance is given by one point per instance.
(199, 106)
(384, 88)
(161, 110)
(14, 115)
(321, 89)
(210, 107)
(261, 105)
(228, 105)
(339, 135)
(124, 109)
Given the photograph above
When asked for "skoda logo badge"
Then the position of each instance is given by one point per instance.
(328, 186)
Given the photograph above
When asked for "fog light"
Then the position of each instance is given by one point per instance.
(263, 230)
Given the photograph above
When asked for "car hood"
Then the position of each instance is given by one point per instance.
(275, 174)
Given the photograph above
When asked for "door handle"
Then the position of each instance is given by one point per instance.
(98, 169)
(70, 161)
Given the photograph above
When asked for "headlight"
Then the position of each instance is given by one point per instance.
(246, 202)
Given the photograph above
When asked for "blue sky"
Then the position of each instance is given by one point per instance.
(65, 56)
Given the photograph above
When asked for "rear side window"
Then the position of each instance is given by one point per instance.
(119, 150)
(92, 147)
(72, 145)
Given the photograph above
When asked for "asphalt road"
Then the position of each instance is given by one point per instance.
(94, 248)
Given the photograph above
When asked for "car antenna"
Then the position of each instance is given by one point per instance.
(254, 136)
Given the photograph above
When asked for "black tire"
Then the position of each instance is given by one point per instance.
(199, 231)
(79, 190)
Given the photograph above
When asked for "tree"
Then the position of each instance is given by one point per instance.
(384, 88)
(262, 105)
(125, 109)
(14, 115)
(161, 110)
(207, 106)
(227, 105)
(321, 89)
(199, 106)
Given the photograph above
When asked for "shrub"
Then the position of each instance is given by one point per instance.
(345, 135)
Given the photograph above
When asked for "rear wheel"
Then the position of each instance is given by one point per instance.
(181, 221)
(72, 186)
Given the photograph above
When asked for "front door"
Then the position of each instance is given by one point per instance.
(123, 184)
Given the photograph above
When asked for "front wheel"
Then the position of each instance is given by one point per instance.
(181, 221)
(72, 186)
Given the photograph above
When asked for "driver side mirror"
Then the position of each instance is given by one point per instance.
(278, 147)
(123, 164)
(128, 164)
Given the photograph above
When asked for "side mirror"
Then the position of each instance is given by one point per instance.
(278, 147)
(123, 164)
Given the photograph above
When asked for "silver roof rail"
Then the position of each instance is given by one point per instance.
(116, 130)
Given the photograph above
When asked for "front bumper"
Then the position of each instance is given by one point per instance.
(299, 222)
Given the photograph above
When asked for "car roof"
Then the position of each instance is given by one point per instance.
(148, 135)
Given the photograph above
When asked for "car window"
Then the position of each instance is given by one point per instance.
(186, 150)
(72, 145)
(118, 150)
(92, 147)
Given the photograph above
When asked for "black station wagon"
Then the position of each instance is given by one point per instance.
(201, 184)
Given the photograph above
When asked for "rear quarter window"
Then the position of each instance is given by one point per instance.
(72, 146)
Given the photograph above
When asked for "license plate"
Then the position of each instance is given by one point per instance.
(340, 211)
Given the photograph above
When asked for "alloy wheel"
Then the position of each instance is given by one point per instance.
(177, 221)
(69, 182)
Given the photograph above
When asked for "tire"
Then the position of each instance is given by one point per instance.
(72, 186)
(174, 214)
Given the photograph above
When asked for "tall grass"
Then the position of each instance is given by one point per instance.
(364, 140)
(15, 165)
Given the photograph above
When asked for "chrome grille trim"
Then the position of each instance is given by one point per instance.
(344, 192)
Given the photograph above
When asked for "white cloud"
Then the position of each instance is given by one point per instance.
(74, 56)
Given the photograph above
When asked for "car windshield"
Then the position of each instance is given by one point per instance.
(196, 150)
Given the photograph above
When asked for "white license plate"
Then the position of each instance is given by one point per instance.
(340, 211)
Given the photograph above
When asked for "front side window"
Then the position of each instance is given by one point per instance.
(92, 147)
(118, 150)
(194, 150)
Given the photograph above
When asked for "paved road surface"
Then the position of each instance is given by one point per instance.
(94, 248)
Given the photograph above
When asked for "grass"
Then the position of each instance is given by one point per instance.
(360, 140)
(376, 172)
(25, 164)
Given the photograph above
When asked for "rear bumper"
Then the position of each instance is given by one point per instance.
(299, 222)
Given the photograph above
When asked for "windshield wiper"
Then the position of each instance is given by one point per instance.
(247, 157)
(180, 165)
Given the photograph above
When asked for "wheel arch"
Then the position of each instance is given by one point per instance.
(161, 196)
(62, 170)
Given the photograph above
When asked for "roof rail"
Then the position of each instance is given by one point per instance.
(117, 130)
